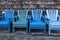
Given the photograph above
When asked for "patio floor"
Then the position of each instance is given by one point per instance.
(22, 35)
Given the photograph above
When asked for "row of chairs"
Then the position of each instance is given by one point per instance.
(36, 20)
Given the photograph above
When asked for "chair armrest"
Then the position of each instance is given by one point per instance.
(15, 18)
(30, 18)
(58, 18)
(44, 19)
(3, 17)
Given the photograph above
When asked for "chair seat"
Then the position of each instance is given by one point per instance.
(20, 23)
(4, 22)
(37, 24)
(55, 23)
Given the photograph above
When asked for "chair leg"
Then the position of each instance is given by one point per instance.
(9, 29)
(44, 31)
(27, 30)
(49, 32)
(13, 29)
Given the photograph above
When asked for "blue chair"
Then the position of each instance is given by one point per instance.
(5, 23)
(37, 20)
(54, 23)
(20, 20)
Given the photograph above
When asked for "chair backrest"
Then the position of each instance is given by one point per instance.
(36, 14)
(22, 14)
(8, 13)
(52, 14)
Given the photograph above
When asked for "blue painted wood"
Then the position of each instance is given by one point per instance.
(36, 22)
(22, 21)
(54, 24)
(8, 15)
